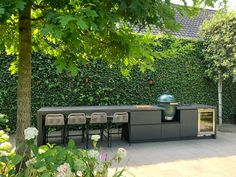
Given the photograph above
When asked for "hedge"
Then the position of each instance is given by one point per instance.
(97, 84)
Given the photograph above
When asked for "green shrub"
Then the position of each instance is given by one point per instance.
(4, 123)
(97, 83)
(50, 161)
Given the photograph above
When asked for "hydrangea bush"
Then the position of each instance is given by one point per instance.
(56, 161)
(8, 157)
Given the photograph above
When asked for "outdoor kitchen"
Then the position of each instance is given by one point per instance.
(167, 120)
(170, 120)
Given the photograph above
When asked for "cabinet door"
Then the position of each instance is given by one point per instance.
(145, 117)
(170, 130)
(189, 123)
(145, 132)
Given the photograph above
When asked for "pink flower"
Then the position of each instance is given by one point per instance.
(64, 170)
(103, 156)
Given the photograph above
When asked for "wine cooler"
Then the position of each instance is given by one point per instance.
(206, 122)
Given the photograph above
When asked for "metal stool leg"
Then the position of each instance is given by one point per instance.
(101, 132)
(109, 132)
(87, 137)
(67, 133)
(64, 135)
(46, 131)
(82, 139)
(44, 135)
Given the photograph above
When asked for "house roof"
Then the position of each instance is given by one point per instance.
(190, 25)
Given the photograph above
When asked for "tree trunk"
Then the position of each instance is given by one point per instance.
(24, 74)
(220, 101)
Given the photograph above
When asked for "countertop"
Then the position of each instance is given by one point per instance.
(195, 106)
(126, 108)
(100, 108)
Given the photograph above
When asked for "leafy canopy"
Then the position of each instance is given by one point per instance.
(220, 45)
(75, 31)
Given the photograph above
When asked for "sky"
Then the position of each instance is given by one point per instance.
(231, 4)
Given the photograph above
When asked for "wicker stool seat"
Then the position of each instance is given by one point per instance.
(99, 122)
(78, 121)
(119, 119)
(54, 120)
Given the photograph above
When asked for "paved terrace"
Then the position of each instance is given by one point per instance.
(185, 158)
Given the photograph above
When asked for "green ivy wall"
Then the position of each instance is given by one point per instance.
(181, 75)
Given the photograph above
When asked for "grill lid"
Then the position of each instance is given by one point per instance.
(166, 98)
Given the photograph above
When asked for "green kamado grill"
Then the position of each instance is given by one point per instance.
(169, 104)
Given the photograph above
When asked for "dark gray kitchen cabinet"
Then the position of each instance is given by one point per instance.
(145, 117)
(188, 123)
(145, 125)
(170, 130)
(145, 132)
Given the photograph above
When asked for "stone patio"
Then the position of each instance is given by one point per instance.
(185, 158)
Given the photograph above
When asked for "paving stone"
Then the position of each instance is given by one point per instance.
(188, 158)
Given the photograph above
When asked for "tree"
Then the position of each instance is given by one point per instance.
(219, 51)
(76, 31)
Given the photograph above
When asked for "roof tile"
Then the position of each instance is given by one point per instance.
(190, 25)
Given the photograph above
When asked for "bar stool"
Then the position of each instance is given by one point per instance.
(116, 123)
(76, 120)
(98, 120)
(57, 121)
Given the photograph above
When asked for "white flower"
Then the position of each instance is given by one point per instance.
(79, 173)
(95, 137)
(99, 168)
(4, 153)
(64, 170)
(5, 146)
(121, 153)
(41, 151)
(30, 162)
(1, 132)
(30, 133)
(93, 154)
(3, 137)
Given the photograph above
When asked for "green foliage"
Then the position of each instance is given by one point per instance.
(77, 31)
(220, 45)
(4, 123)
(49, 160)
(91, 163)
(99, 83)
